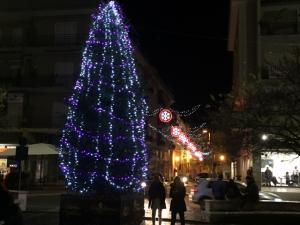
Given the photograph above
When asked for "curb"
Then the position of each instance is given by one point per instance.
(169, 220)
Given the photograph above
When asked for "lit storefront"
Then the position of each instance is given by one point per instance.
(41, 166)
(281, 165)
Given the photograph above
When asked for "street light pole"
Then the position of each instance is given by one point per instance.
(212, 155)
(211, 150)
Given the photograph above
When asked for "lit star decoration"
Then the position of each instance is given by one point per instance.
(183, 138)
(165, 116)
(103, 141)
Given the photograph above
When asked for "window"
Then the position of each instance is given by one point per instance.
(59, 112)
(15, 69)
(3, 101)
(64, 68)
(278, 22)
(15, 109)
(63, 73)
(65, 32)
(17, 36)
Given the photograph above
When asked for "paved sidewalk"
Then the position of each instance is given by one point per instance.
(282, 189)
(43, 209)
(192, 215)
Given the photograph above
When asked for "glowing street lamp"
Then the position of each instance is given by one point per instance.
(264, 137)
(222, 157)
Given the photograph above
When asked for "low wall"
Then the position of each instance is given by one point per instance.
(286, 212)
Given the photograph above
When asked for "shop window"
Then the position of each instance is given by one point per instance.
(65, 32)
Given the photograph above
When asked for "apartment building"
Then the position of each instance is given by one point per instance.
(261, 32)
(41, 44)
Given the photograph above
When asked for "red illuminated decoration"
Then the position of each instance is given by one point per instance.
(175, 131)
(165, 115)
(183, 138)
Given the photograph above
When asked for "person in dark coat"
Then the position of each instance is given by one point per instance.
(268, 176)
(10, 213)
(287, 178)
(177, 193)
(157, 196)
(219, 188)
(233, 192)
(251, 191)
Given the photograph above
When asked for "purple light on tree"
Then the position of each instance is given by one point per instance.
(103, 141)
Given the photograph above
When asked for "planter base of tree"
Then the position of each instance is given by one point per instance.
(95, 209)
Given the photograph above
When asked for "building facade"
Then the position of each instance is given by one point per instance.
(41, 44)
(261, 32)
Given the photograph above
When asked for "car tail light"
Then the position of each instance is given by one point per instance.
(194, 190)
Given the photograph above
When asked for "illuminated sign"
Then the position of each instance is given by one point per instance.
(3, 148)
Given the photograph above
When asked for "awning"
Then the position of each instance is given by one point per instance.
(34, 149)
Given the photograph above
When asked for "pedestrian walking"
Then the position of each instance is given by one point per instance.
(157, 196)
(287, 178)
(177, 193)
(296, 175)
(268, 176)
(219, 188)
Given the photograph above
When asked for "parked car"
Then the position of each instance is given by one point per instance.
(203, 190)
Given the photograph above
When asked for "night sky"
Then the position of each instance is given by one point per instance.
(186, 41)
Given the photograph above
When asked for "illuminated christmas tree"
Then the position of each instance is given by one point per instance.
(103, 141)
